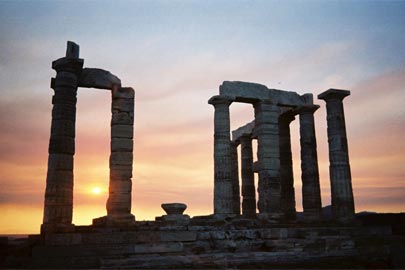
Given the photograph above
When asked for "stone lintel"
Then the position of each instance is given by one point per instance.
(98, 78)
(245, 130)
(253, 92)
(332, 93)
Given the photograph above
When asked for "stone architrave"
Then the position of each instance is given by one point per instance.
(339, 169)
(286, 166)
(311, 194)
(269, 186)
(58, 208)
(223, 184)
(235, 178)
(248, 184)
(121, 158)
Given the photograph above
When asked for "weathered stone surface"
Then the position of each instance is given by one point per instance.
(223, 187)
(122, 105)
(122, 118)
(253, 92)
(122, 131)
(340, 175)
(174, 208)
(286, 166)
(243, 131)
(248, 184)
(235, 179)
(98, 78)
(121, 158)
(123, 92)
(122, 145)
(269, 186)
(311, 194)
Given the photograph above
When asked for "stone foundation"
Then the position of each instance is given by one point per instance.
(206, 242)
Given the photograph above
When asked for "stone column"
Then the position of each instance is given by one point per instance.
(311, 194)
(248, 182)
(339, 169)
(269, 187)
(58, 208)
(286, 167)
(235, 178)
(223, 185)
(121, 158)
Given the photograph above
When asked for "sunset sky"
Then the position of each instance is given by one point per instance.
(175, 54)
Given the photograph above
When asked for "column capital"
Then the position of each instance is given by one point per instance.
(308, 109)
(68, 64)
(220, 100)
(288, 116)
(334, 94)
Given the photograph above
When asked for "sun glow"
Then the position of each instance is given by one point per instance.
(96, 190)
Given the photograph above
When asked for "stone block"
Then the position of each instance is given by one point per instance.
(67, 239)
(122, 118)
(118, 172)
(122, 131)
(63, 128)
(121, 158)
(98, 78)
(120, 186)
(61, 145)
(158, 248)
(123, 92)
(122, 145)
(65, 79)
(60, 162)
(183, 236)
(59, 177)
(122, 105)
(64, 112)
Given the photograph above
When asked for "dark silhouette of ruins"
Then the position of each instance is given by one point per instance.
(234, 236)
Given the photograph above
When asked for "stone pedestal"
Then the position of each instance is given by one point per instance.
(340, 176)
(311, 194)
(269, 186)
(286, 167)
(235, 178)
(223, 184)
(248, 183)
(121, 158)
(58, 208)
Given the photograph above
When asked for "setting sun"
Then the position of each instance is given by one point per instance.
(96, 190)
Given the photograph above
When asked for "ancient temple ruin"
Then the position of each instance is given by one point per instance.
(229, 238)
(274, 110)
(58, 209)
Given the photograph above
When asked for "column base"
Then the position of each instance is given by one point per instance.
(115, 221)
(57, 228)
(311, 217)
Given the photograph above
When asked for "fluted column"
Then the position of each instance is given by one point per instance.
(248, 182)
(339, 169)
(311, 194)
(121, 158)
(223, 184)
(235, 178)
(269, 186)
(58, 206)
(286, 167)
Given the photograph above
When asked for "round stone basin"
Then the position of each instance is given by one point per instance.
(174, 208)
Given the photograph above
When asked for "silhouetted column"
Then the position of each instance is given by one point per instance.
(223, 184)
(339, 169)
(121, 158)
(248, 182)
(311, 194)
(58, 208)
(269, 187)
(286, 167)
(235, 178)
